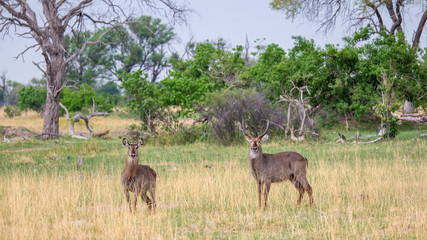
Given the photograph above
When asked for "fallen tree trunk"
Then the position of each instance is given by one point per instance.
(79, 116)
(414, 118)
(87, 118)
(423, 135)
(100, 134)
(373, 141)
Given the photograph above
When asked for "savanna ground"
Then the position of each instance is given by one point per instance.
(205, 191)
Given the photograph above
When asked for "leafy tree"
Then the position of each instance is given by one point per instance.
(38, 82)
(344, 81)
(3, 94)
(110, 88)
(211, 68)
(385, 15)
(82, 100)
(12, 91)
(87, 67)
(144, 97)
(2, 98)
(389, 56)
(32, 98)
(48, 24)
(143, 44)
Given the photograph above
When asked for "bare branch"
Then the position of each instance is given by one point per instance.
(74, 12)
(420, 28)
(99, 40)
(38, 66)
(23, 52)
(59, 4)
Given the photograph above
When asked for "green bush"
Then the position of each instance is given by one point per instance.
(181, 137)
(82, 100)
(393, 129)
(12, 111)
(32, 98)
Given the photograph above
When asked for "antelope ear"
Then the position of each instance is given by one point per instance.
(125, 142)
(264, 138)
(248, 139)
(140, 142)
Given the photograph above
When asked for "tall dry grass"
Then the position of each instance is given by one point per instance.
(211, 196)
(34, 122)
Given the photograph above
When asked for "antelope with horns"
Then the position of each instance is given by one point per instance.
(278, 167)
(138, 179)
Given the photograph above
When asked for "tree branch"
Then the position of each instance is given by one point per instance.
(420, 28)
(394, 18)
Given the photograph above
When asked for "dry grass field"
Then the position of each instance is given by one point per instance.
(32, 121)
(204, 191)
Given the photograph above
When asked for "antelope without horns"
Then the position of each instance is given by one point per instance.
(138, 179)
(278, 167)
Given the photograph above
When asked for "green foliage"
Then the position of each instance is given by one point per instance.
(87, 67)
(345, 80)
(12, 111)
(341, 81)
(389, 56)
(144, 97)
(82, 100)
(32, 98)
(190, 80)
(134, 132)
(110, 88)
(140, 46)
(182, 136)
(393, 128)
(2, 98)
(12, 91)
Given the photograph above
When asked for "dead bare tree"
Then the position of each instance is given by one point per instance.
(298, 103)
(48, 21)
(87, 118)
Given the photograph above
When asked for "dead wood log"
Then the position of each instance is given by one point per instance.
(373, 141)
(100, 134)
(411, 118)
(87, 118)
(79, 116)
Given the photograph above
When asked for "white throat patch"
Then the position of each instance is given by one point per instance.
(253, 155)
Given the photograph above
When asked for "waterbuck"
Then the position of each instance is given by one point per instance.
(138, 178)
(271, 168)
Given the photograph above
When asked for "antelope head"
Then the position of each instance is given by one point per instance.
(133, 149)
(255, 142)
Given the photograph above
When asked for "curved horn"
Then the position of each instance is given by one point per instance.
(266, 129)
(244, 129)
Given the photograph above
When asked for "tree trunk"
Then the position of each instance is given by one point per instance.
(51, 116)
(55, 69)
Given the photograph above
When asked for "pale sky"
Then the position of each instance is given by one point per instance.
(231, 20)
